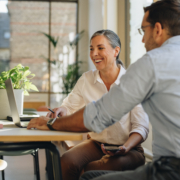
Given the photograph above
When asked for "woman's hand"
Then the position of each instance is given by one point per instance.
(122, 151)
(133, 140)
(61, 111)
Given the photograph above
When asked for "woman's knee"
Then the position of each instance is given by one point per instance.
(105, 163)
(133, 160)
(130, 161)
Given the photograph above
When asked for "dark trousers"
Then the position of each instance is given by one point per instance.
(89, 156)
(166, 168)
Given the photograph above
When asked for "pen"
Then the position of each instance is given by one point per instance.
(52, 111)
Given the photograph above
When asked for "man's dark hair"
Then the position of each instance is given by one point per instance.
(167, 13)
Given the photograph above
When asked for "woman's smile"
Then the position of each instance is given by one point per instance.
(98, 60)
(102, 54)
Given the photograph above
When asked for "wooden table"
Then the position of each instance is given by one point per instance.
(32, 139)
(12, 133)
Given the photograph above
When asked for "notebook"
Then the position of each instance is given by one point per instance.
(14, 111)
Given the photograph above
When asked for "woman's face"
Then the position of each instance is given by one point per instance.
(102, 54)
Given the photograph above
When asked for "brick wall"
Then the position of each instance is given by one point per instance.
(27, 19)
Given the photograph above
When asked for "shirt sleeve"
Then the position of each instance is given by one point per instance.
(74, 101)
(136, 86)
(139, 121)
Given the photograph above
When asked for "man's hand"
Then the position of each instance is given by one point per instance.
(122, 151)
(39, 123)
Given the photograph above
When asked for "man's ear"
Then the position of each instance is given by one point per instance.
(157, 32)
(117, 50)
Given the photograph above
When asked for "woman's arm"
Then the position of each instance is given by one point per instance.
(138, 133)
(139, 122)
(133, 140)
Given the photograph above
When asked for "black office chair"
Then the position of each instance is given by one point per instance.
(54, 168)
(33, 152)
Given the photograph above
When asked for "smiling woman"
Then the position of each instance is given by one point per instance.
(127, 134)
(104, 52)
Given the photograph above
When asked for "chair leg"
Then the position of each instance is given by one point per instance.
(3, 175)
(2, 172)
(49, 165)
(36, 164)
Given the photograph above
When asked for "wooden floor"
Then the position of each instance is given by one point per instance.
(22, 167)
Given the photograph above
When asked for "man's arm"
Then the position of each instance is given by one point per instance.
(135, 87)
(72, 123)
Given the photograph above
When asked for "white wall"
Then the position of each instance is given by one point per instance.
(95, 21)
(112, 17)
(95, 15)
(136, 14)
(83, 21)
(137, 48)
(90, 20)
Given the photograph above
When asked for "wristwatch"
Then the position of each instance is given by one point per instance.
(50, 123)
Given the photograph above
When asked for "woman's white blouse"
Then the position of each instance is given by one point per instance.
(90, 87)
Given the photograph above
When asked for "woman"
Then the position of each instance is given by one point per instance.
(128, 133)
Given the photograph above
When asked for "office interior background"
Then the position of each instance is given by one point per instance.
(23, 22)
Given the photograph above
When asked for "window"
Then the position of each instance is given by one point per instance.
(6, 35)
(26, 43)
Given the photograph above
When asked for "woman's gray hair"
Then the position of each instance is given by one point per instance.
(113, 39)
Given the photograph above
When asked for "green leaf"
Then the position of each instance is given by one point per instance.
(26, 68)
(52, 39)
(26, 93)
(75, 41)
(70, 79)
(33, 87)
(20, 77)
(27, 73)
(49, 61)
(27, 85)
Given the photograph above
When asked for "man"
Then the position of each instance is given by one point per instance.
(154, 81)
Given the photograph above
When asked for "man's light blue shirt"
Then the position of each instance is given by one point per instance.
(154, 81)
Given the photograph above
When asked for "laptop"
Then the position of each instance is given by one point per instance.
(13, 106)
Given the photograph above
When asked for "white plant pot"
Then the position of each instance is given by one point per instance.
(4, 102)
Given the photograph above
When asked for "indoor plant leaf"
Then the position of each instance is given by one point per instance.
(20, 77)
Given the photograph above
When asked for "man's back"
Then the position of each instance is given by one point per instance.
(153, 80)
(163, 106)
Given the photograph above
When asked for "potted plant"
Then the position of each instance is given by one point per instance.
(71, 77)
(20, 77)
(67, 75)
